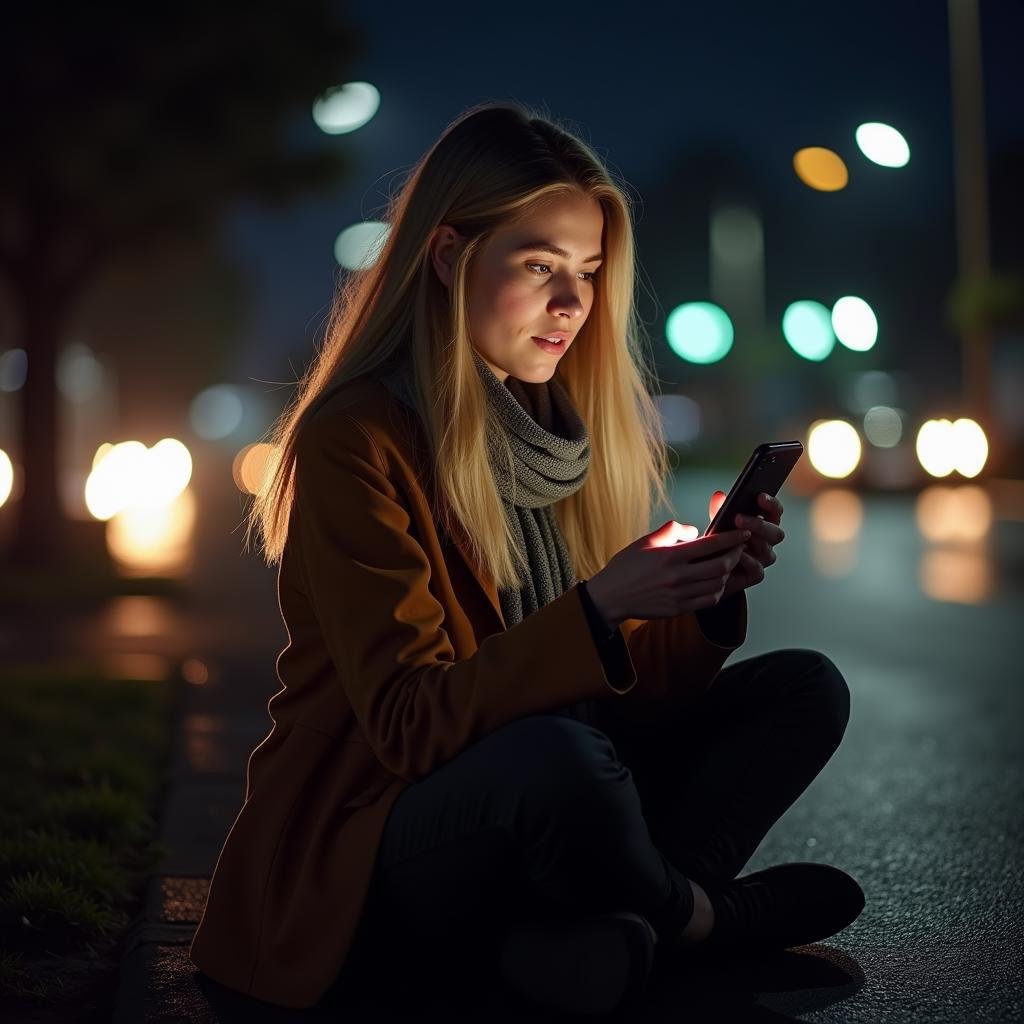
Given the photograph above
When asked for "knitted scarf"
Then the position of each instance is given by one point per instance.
(551, 456)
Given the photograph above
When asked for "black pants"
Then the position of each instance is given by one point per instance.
(551, 818)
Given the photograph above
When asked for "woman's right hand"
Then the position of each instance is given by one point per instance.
(655, 578)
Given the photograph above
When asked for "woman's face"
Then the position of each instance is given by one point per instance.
(518, 290)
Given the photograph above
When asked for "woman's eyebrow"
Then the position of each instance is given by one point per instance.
(554, 250)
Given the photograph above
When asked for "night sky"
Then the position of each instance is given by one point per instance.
(645, 83)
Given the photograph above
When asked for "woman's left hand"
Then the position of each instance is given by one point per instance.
(758, 552)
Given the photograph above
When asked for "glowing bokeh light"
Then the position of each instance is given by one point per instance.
(933, 447)
(680, 418)
(195, 671)
(836, 515)
(883, 426)
(154, 539)
(216, 412)
(346, 107)
(136, 667)
(129, 475)
(943, 446)
(821, 169)
(957, 575)
(882, 144)
(855, 323)
(737, 237)
(109, 486)
(954, 515)
(807, 327)
(358, 246)
(870, 388)
(971, 447)
(6, 476)
(79, 373)
(253, 467)
(833, 448)
(139, 615)
(13, 369)
(699, 332)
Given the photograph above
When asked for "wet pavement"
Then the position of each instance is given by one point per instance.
(919, 608)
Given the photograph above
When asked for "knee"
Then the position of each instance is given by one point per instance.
(817, 675)
(564, 760)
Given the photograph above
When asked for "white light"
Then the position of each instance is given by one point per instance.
(934, 447)
(882, 144)
(216, 412)
(833, 447)
(109, 486)
(346, 108)
(168, 471)
(358, 246)
(883, 426)
(131, 476)
(943, 446)
(6, 476)
(854, 323)
(971, 447)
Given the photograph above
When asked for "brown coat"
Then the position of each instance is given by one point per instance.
(397, 659)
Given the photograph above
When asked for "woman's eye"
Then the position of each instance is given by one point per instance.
(591, 274)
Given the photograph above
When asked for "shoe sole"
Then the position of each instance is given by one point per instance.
(591, 966)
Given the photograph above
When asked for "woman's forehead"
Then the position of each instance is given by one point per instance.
(573, 226)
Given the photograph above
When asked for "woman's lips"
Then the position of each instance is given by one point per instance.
(547, 346)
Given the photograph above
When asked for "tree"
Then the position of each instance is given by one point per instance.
(129, 127)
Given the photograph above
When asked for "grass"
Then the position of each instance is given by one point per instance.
(82, 761)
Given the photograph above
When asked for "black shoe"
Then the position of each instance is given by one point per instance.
(783, 906)
(589, 966)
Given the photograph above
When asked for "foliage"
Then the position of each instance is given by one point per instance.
(81, 766)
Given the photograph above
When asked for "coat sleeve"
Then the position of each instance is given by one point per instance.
(678, 658)
(368, 582)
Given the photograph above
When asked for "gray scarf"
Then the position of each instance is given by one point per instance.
(551, 449)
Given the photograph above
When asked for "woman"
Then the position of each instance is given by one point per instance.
(480, 627)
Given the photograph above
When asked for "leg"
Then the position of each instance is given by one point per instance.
(713, 785)
(537, 819)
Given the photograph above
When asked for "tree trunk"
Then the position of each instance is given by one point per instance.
(42, 530)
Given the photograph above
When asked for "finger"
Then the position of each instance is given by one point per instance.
(715, 504)
(753, 568)
(772, 506)
(762, 552)
(771, 532)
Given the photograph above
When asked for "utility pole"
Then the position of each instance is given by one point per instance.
(971, 192)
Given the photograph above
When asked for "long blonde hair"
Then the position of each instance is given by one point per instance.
(488, 169)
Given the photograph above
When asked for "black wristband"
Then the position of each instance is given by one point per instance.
(598, 628)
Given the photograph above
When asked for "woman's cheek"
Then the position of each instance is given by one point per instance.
(514, 302)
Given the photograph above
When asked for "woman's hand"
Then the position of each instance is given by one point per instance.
(757, 553)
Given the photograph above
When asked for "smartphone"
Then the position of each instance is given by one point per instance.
(766, 471)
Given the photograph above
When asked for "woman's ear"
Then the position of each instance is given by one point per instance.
(445, 245)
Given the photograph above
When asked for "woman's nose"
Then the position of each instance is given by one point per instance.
(568, 301)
